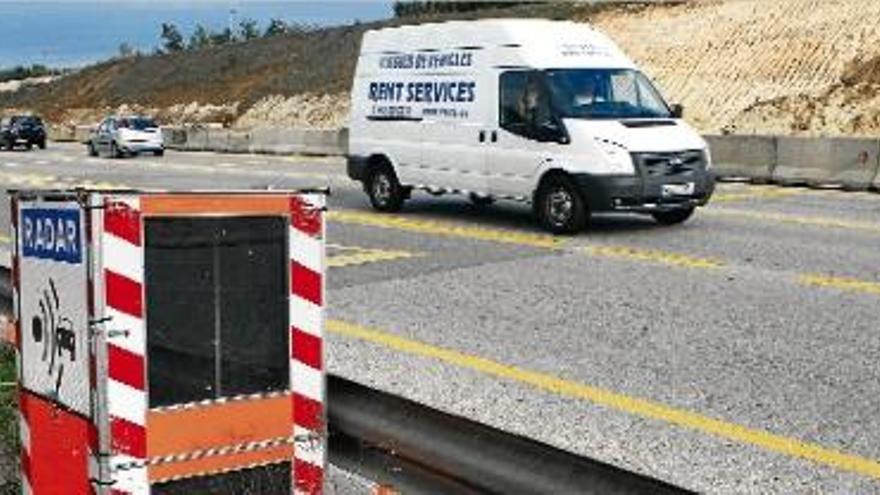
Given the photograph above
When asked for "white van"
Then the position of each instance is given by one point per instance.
(546, 112)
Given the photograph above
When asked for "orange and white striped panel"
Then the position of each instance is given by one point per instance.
(306, 336)
(123, 261)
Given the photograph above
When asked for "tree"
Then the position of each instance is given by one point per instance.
(414, 8)
(172, 40)
(126, 50)
(276, 27)
(222, 37)
(248, 29)
(201, 38)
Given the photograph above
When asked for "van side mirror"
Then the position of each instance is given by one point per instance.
(677, 111)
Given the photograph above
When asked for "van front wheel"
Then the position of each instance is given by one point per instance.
(560, 207)
(384, 190)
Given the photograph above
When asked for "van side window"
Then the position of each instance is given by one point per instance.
(524, 103)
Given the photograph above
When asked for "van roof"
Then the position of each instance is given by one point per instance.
(537, 39)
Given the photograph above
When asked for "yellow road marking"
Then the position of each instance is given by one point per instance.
(796, 219)
(521, 238)
(753, 193)
(847, 284)
(652, 256)
(617, 401)
(43, 181)
(445, 229)
(352, 255)
(5, 239)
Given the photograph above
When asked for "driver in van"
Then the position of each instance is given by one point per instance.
(534, 106)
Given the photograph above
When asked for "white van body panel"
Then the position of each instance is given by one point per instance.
(426, 97)
(661, 138)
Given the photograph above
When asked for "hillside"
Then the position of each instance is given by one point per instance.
(222, 83)
(757, 66)
(743, 66)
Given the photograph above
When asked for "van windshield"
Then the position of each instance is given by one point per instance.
(605, 94)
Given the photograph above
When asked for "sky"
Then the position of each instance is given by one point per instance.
(76, 32)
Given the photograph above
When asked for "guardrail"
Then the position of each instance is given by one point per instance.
(416, 449)
(848, 163)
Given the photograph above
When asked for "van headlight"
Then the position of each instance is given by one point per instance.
(617, 157)
(708, 158)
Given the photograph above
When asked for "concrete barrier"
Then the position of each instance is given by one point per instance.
(194, 139)
(850, 163)
(60, 133)
(83, 133)
(267, 140)
(743, 157)
(238, 142)
(304, 141)
(216, 140)
(173, 137)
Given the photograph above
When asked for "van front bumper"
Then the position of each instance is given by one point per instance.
(636, 193)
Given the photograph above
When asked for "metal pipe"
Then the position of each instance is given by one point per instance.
(485, 458)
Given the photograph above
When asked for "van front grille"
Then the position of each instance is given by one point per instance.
(669, 163)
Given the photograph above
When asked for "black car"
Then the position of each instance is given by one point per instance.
(22, 130)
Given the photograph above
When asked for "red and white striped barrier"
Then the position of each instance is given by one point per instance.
(82, 322)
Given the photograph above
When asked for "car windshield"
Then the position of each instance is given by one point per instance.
(27, 121)
(605, 94)
(137, 123)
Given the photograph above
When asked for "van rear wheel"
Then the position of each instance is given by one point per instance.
(560, 207)
(384, 190)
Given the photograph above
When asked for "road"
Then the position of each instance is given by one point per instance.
(737, 353)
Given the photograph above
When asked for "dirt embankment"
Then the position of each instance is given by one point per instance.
(743, 66)
(850, 106)
(759, 66)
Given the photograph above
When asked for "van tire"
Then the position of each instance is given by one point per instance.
(673, 217)
(559, 205)
(384, 190)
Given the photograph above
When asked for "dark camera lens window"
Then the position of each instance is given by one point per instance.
(217, 307)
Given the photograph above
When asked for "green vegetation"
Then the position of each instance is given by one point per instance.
(413, 8)
(8, 423)
(24, 72)
(172, 40)
(203, 37)
(248, 29)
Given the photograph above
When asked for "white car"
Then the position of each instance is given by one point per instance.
(120, 136)
(550, 113)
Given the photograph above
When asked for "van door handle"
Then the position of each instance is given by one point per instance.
(494, 136)
(482, 137)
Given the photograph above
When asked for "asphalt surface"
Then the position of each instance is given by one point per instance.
(737, 353)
